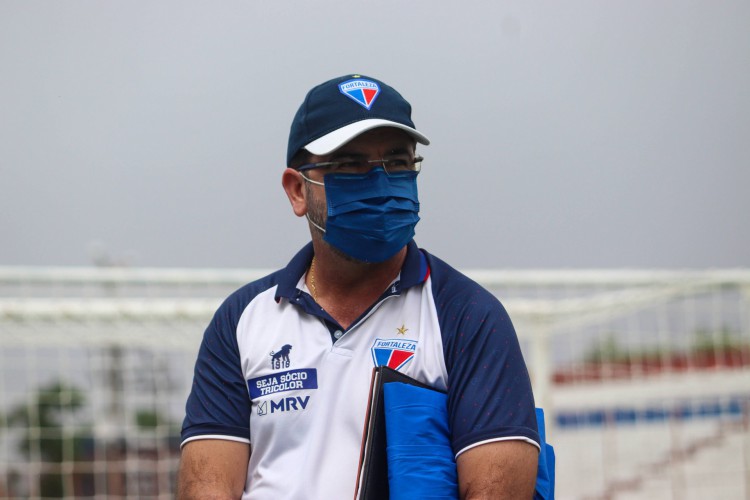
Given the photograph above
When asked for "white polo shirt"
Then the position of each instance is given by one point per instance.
(276, 371)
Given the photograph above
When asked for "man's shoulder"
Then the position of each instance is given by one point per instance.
(442, 268)
(451, 283)
(284, 281)
(238, 300)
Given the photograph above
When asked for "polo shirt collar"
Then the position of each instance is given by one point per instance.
(414, 271)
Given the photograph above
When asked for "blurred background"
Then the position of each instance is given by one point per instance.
(589, 165)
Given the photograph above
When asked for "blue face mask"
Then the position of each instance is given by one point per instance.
(371, 216)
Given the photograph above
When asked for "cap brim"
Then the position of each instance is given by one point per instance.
(334, 140)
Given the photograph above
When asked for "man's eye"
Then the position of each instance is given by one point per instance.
(399, 163)
(349, 165)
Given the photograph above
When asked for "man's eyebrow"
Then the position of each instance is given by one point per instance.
(347, 154)
(401, 151)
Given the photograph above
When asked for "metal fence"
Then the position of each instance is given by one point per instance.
(644, 376)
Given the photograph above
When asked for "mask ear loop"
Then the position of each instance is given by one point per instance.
(317, 183)
(321, 229)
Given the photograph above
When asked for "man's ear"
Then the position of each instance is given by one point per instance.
(294, 186)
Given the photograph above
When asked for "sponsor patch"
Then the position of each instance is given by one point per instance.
(283, 405)
(291, 380)
(393, 353)
(363, 92)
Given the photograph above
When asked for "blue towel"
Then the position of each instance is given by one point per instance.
(545, 473)
(420, 458)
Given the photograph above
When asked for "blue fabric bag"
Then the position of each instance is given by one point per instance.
(420, 457)
(545, 473)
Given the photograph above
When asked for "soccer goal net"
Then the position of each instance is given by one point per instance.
(644, 377)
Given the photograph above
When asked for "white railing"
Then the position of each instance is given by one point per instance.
(643, 374)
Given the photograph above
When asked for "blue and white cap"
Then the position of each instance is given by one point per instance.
(337, 111)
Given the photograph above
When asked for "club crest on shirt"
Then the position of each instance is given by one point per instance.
(363, 92)
(280, 358)
(393, 353)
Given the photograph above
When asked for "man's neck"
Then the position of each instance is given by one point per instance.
(346, 288)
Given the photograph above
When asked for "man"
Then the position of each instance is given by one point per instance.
(281, 383)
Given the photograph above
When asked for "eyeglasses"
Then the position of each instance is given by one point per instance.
(391, 165)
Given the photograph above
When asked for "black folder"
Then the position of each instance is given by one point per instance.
(372, 475)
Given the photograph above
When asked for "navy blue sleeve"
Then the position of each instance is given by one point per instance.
(219, 403)
(489, 390)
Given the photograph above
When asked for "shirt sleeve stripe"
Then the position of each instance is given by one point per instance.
(215, 436)
(508, 438)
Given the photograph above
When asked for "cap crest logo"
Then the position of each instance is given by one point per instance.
(363, 92)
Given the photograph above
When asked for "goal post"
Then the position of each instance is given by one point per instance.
(644, 376)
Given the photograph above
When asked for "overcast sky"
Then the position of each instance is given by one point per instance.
(564, 134)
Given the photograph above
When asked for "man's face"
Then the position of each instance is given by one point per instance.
(373, 144)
